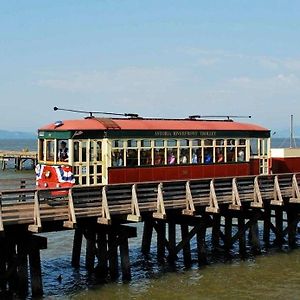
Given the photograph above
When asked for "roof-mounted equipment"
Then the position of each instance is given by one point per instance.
(228, 118)
(91, 113)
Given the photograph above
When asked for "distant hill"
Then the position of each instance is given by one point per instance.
(285, 132)
(4, 134)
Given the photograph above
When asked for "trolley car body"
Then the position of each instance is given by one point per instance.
(122, 150)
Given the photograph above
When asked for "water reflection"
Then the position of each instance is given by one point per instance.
(275, 272)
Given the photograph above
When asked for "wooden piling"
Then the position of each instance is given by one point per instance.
(279, 225)
(102, 267)
(161, 237)
(76, 251)
(12, 265)
(125, 262)
(35, 272)
(22, 272)
(186, 245)
(90, 251)
(3, 255)
(267, 223)
(113, 255)
(292, 217)
(242, 234)
(147, 236)
(201, 247)
(216, 222)
(228, 232)
(255, 234)
(172, 240)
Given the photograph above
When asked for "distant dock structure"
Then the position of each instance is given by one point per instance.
(18, 157)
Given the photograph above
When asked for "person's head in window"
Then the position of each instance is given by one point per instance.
(241, 155)
(208, 157)
(63, 151)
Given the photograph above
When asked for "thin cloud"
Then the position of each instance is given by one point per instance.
(211, 57)
(129, 79)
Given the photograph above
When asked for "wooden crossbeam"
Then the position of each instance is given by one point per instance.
(213, 203)
(189, 236)
(290, 225)
(257, 198)
(161, 212)
(277, 193)
(105, 215)
(135, 215)
(71, 223)
(295, 191)
(37, 225)
(190, 208)
(236, 202)
(247, 225)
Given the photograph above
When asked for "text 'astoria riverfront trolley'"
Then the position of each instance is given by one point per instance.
(99, 151)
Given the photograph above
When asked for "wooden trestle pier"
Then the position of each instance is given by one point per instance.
(19, 158)
(221, 209)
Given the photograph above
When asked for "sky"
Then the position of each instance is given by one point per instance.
(167, 59)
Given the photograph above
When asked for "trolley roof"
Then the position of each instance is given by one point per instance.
(151, 124)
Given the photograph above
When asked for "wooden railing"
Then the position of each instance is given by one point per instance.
(27, 205)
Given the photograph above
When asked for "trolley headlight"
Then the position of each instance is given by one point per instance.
(47, 174)
(45, 184)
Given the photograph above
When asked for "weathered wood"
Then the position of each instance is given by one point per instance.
(116, 204)
(135, 215)
(186, 244)
(172, 240)
(102, 267)
(160, 227)
(254, 234)
(125, 262)
(267, 224)
(120, 199)
(113, 255)
(242, 237)
(160, 212)
(257, 198)
(216, 230)
(190, 208)
(71, 223)
(90, 250)
(295, 190)
(213, 202)
(105, 215)
(236, 201)
(1, 219)
(22, 273)
(77, 244)
(279, 226)
(292, 216)
(37, 225)
(147, 235)
(36, 273)
(228, 232)
(201, 247)
(277, 199)
(3, 258)
(18, 156)
(11, 264)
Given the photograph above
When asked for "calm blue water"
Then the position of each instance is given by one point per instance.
(274, 274)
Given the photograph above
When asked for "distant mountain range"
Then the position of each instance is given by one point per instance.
(4, 134)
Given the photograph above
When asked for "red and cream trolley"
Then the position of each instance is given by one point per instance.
(121, 150)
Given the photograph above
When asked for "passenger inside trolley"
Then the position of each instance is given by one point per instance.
(97, 151)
